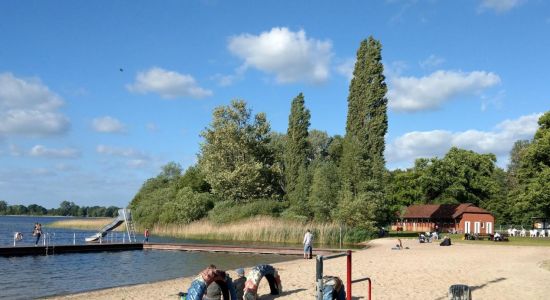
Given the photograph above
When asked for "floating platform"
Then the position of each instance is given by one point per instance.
(235, 249)
(86, 248)
(59, 249)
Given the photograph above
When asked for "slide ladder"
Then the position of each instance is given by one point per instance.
(124, 216)
(130, 228)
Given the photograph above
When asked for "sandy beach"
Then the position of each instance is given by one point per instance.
(425, 271)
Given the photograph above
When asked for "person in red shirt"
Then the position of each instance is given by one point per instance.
(146, 235)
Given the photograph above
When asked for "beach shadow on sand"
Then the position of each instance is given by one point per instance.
(478, 287)
(357, 281)
(284, 293)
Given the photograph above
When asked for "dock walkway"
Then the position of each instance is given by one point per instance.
(94, 247)
(235, 249)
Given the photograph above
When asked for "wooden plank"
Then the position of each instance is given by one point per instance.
(235, 249)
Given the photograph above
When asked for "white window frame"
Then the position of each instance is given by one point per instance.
(489, 227)
(477, 227)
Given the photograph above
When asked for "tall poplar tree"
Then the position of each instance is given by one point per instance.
(295, 158)
(363, 163)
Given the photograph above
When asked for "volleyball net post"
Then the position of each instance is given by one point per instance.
(319, 273)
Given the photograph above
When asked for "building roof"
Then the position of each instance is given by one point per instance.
(441, 211)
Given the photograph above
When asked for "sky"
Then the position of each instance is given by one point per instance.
(96, 96)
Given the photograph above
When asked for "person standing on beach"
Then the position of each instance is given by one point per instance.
(146, 235)
(37, 232)
(308, 239)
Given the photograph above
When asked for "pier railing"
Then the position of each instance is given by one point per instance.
(52, 238)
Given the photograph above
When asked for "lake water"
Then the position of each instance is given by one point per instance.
(39, 276)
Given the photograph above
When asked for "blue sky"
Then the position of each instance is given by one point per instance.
(95, 96)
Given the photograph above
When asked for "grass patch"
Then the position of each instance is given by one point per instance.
(84, 224)
(258, 229)
(458, 238)
(403, 234)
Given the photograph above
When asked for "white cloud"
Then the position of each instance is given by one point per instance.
(27, 107)
(291, 56)
(15, 150)
(226, 80)
(42, 151)
(32, 123)
(137, 163)
(108, 124)
(406, 148)
(152, 127)
(429, 92)
(168, 84)
(121, 152)
(346, 68)
(433, 61)
(499, 6)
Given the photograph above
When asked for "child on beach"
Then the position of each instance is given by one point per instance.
(146, 235)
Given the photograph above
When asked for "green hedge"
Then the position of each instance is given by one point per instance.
(229, 211)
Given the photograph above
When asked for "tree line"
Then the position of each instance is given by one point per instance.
(66, 208)
(245, 169)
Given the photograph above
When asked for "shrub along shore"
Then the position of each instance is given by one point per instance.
(257, 229)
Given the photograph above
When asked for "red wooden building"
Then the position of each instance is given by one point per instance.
(459, 218)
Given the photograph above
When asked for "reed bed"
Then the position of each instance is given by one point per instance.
(85, 224)
(258, 229)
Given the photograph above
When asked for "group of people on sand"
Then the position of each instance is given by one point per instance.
(214, 291)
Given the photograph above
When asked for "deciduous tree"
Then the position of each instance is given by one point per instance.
(235, 157)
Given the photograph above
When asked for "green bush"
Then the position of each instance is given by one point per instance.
(230, 211)
(187, 207)
(357, 235)
(291, 215)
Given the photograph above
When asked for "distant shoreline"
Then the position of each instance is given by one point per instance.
(51, 216)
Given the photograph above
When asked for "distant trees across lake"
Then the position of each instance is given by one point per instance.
(66, 208)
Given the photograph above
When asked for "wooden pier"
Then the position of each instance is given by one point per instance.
(59, 249)
(235, 249)
(94, 247)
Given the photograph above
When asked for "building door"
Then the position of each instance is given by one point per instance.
(477, 227)
(489, 228)
(467, 227)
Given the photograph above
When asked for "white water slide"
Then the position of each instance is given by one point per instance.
(124, 216)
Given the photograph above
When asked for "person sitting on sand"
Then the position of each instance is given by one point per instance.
(446, 241)
(399, 245)
(421, 238)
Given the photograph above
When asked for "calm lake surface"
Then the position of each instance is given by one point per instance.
(39, 276)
